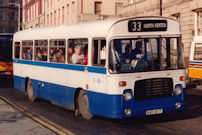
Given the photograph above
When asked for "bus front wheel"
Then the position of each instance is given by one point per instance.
(30, 92)
(83, 105)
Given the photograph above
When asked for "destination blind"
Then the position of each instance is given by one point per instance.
(147, 25)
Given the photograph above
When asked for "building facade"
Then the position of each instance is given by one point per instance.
(9, 16)
(44, 13)
(187, 12)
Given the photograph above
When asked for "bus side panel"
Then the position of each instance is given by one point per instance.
(19, 83)
(195, 69)
(58, 94)
(105, 105)
(195, 73)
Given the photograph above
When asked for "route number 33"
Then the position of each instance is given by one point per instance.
(137, 26)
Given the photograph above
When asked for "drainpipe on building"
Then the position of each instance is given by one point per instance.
(160, 7)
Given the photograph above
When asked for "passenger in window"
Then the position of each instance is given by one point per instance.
(59, 57)
(85, 50)
(38, 56)
(29, 54)
(70, 52)
(77, 58)
(44, 56)
(23, 55)
(52, 52)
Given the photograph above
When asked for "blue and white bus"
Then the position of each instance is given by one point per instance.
(114, 68)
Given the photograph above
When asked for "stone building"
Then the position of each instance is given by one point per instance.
(187, 12)
(43, 13)
(8, 16)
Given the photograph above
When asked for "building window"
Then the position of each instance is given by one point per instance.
(1, 15)
(200, 23)
(97, 9)
(47, 4)
(51, 19)
(12, 29)
(63, 15)
(58, 16)
(39, 7)
(67, 16)
(131, 1)
(118, 8)
(73, 7)
(2, 2)
(2, 29)
(47, 20)
(55, 18)
(12, 16)
(67, 9)
(30, 13)
(12, 1)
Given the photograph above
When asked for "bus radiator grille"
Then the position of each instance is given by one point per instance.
(153, 88)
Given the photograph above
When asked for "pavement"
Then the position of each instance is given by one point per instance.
(13, 122)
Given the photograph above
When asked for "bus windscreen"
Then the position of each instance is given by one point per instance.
(6, 51)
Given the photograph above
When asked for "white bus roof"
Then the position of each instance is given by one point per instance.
(106, 28)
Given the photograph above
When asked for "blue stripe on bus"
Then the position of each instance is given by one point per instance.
(99, 70)
(195, 62)
(112, 106)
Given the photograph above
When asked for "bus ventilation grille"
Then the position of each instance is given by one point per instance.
(153, 88)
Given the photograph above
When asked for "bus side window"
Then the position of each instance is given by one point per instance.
(41, 50)
(57, 51)
(17, 50)
(99, 52)
(78, 51)
(27, 49)
(197, 52)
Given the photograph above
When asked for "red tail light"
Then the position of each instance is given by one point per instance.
(122, 83)
(182, 78)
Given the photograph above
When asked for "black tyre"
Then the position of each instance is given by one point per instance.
(30, 92)
(83, 105)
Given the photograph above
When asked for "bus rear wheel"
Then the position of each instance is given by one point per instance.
(30, 92)
(83, 105)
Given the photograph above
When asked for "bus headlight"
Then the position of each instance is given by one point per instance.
(178, 105)
(128, 112)
(177, 91)
(127, 96)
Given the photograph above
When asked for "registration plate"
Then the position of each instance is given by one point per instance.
(5, 73)
(155, 111)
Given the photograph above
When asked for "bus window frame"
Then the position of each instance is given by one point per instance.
(88, 45)
(14, 52)
(135, 37)
(195, 51)
(92, 51)
(34, 46)
(27, 46)
(65, 48)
